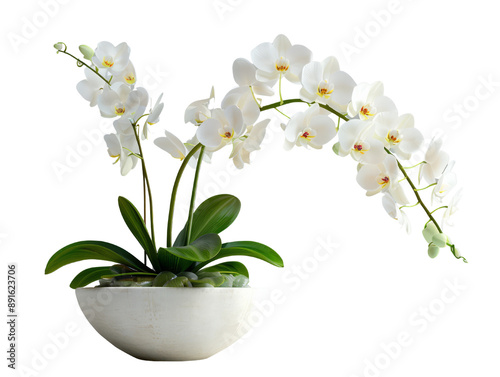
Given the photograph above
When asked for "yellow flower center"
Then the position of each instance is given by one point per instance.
(130, 79)
(282, 64)
(227, 134)
(119, 109)
(383, 180)
(324, 90)
(108, 61)
(393, 137)
(366, 112)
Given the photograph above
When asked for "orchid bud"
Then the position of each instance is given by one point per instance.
(433, 250)
(86, 51)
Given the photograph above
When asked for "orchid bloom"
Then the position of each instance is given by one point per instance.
(251, 142)
(382, 178)
(452, 207)
(114, 59)
(127, 75)
(392, 208)
(356, 138)
(91, 88)
(224, 127)
(312, 127)
(436, 161)
(124, 148)
(324, 83)
(197, 112)
(153, 117)
(134, 108)
(172, 145)
(399, 134)
(280, 59)
(244, 96)
(445, 183)
(113, 100)
(368, 100)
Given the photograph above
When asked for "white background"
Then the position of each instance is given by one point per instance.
(335, 316)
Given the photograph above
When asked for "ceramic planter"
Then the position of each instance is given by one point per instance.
(174, 324)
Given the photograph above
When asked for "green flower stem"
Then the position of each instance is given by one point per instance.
(148, 186)
(439, 208)
(414, 166)
(193, 197)
(421, 189)
(287, 101)
(415, 191)
(80, 63)
(174, 192)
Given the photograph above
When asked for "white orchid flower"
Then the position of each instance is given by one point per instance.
(127, 75)
(153, 117)
(172, 145)
(197, 112)
(392, 208)
(244, 74)
(280, 59)
(91, 88)
(368, 101)
(123, 148)
(313, 128)
(113, 100)
(452, 208)
(135, 107)
(445, 183)
(399, 134)
(436, 161)
(251, 142)
(356, 138)
(324, 83)
(222, 128)
(114, 59)
(382, 178)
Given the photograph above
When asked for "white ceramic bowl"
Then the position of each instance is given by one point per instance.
(162, 323)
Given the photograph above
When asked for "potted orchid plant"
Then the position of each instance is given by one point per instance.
(369, 128)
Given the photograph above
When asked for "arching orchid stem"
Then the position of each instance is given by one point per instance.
(174, 192)
(415, 191)
(193, 197)
(81, 63)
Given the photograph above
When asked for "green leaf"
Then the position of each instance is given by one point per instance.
(148, 274)
(200, 250)
(136, 224)
(99, 250)
(89, 275)
(169, 262)
(246, 248)
(234, 268)
(212, 216)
